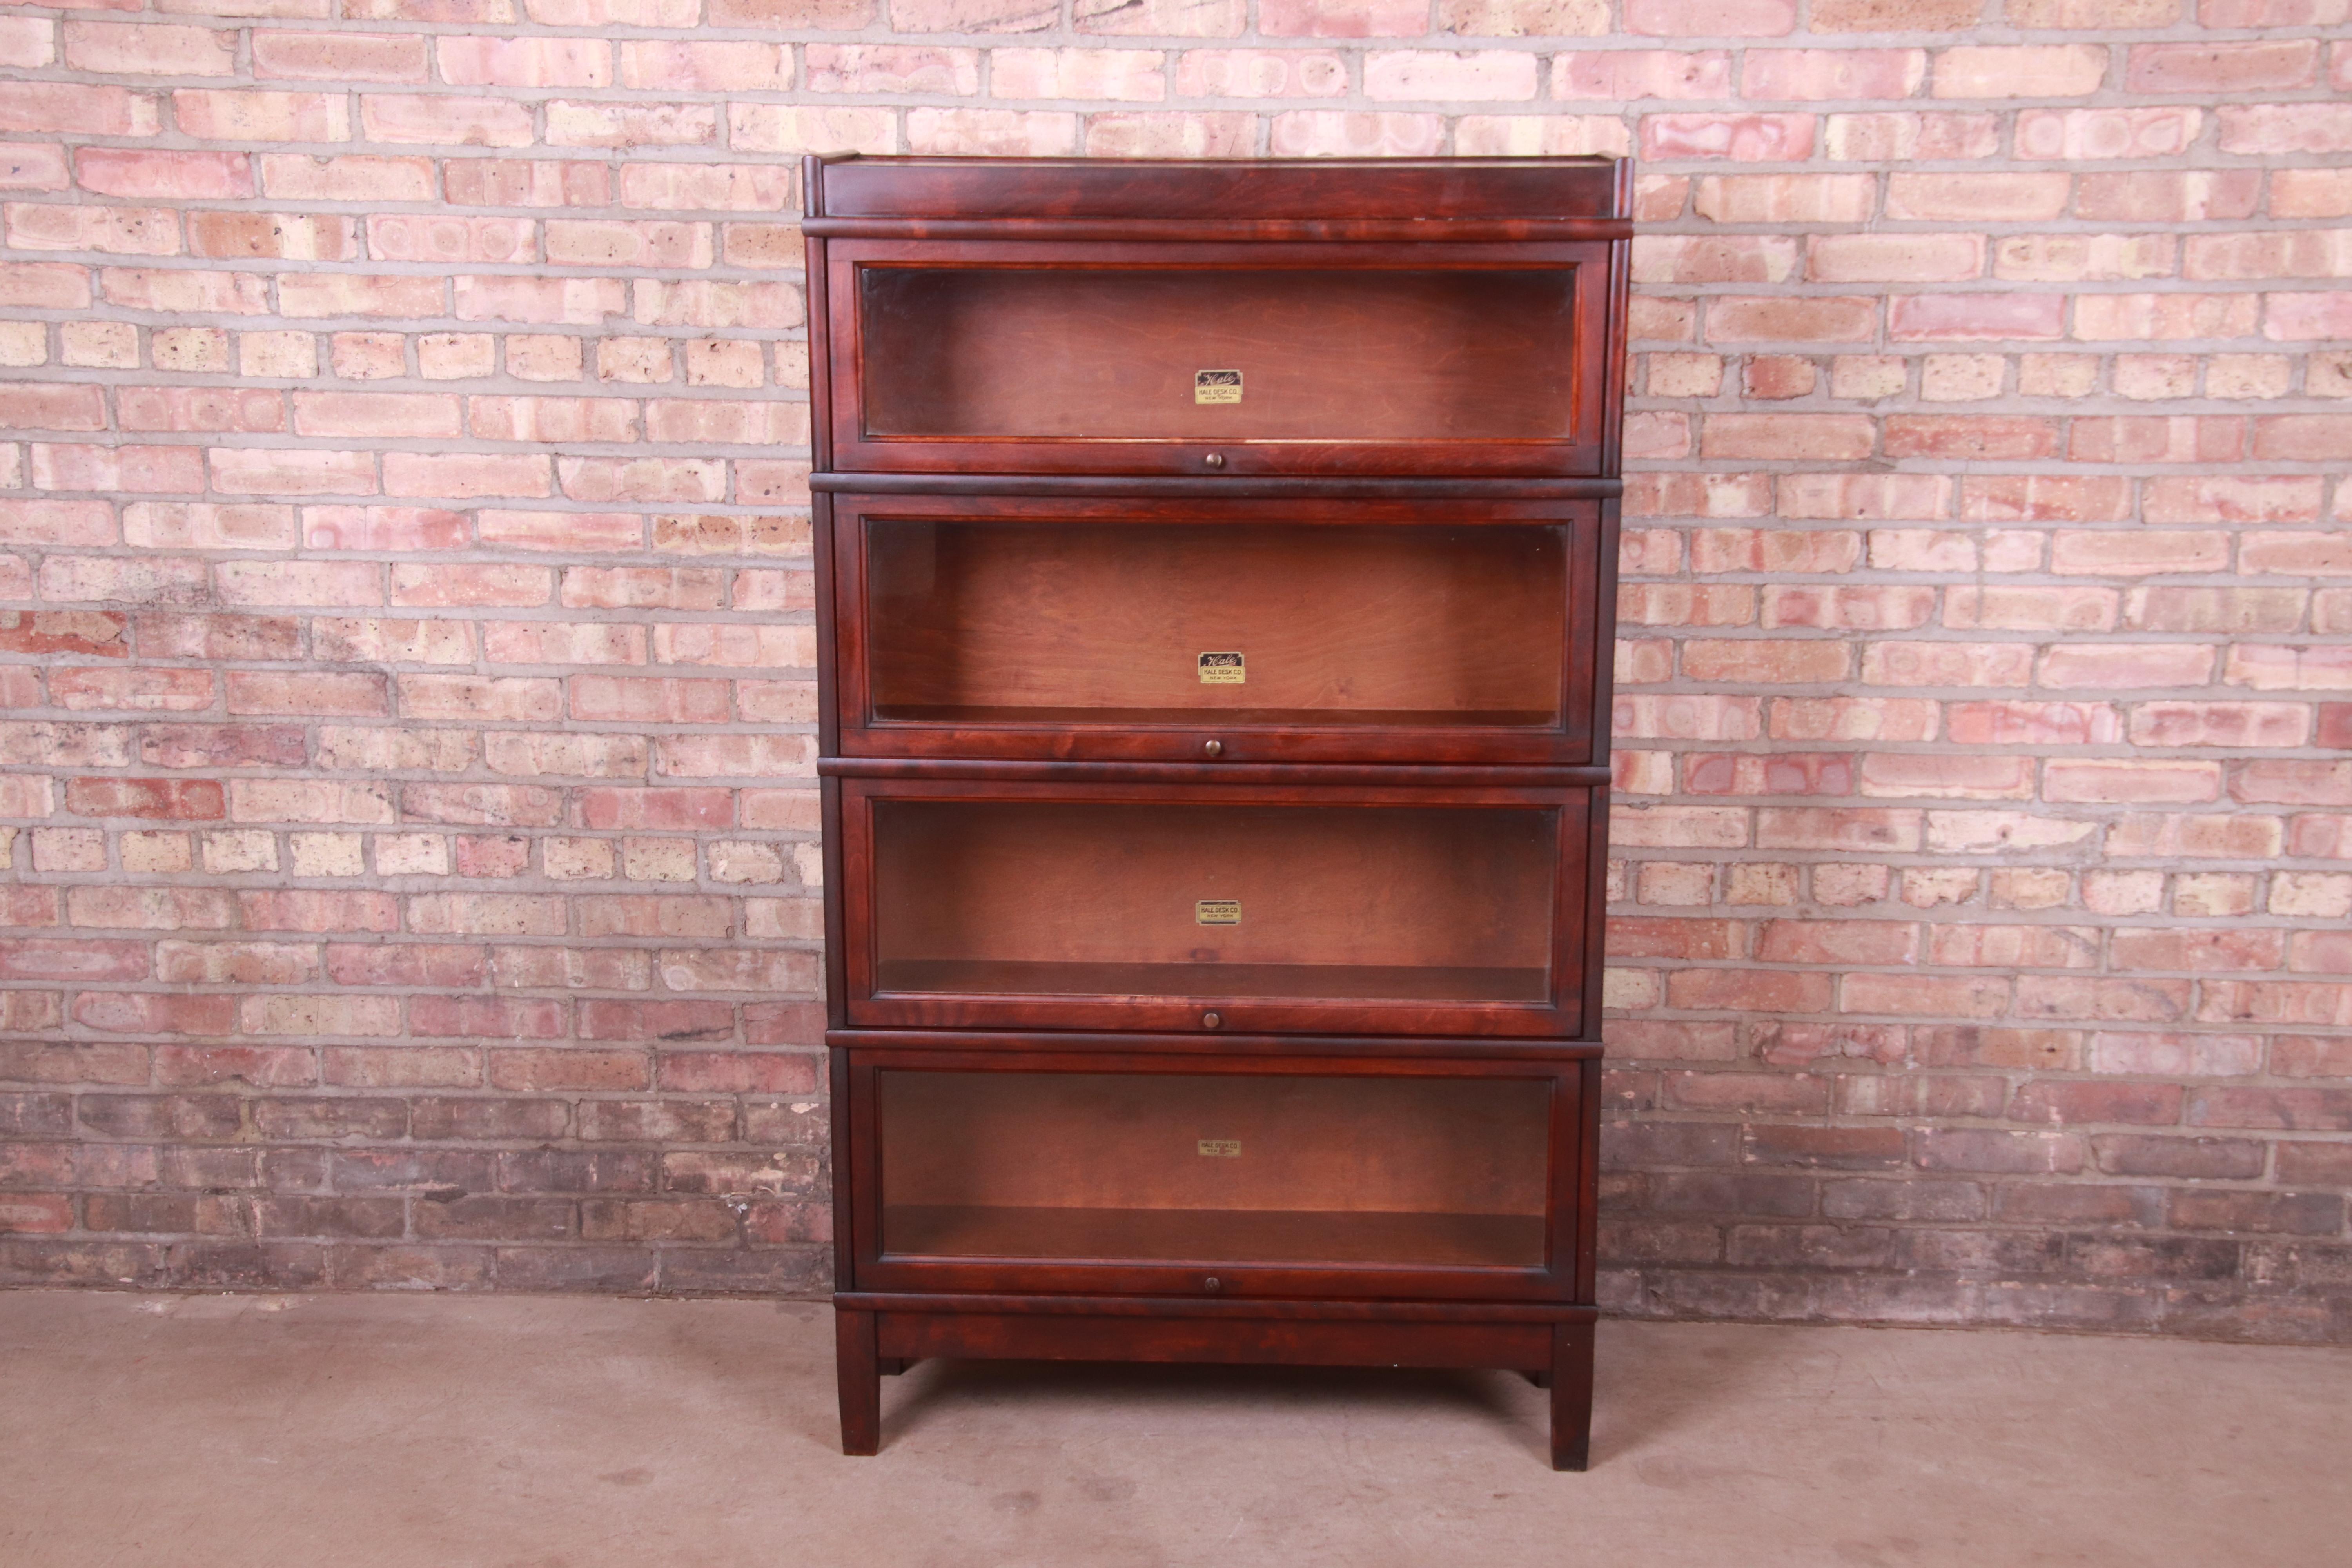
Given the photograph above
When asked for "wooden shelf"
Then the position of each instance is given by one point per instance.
(1212, 1237)
(989, 716)
(1213, 981)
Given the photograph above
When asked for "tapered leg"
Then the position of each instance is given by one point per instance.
(854, 1362)
(1572, 1396)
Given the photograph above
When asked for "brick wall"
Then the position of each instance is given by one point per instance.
(406, 791)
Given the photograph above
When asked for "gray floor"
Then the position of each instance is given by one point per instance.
(543, 1431)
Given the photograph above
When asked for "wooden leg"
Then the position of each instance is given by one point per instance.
(1572, 1396)
(855, 1363)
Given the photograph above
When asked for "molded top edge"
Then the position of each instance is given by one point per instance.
(1413, 189)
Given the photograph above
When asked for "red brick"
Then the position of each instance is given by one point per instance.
(78, 107)
(1987, 436)
(1960, 317)
(2274, 1214)
(2275, 128)
(2173, 439)
(2127, 666)
(1999, 1152)
(1749, 138)
(1841, 437)
(1899, 16)
(1623, 75)
(1751, 990)
(1760, 318)
(1895, 258)
(1929, 995)
(145, 49)
(1709, 18)
(190, 800)
(29, 406)
(2121, 781)
(2233, 724)
(2063, 1104)
(1766, 661)
(2073, 134)
(1972, 197)
(1838, 942)
(1831, 73)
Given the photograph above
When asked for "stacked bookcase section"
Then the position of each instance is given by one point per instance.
(1216, 566)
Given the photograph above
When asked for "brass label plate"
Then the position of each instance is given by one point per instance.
(1223, 669)
(1221, 1148)
(1216, 386)
(1218, 911)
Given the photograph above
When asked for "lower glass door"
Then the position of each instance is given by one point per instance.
(1205, 1168)
(1325, 909)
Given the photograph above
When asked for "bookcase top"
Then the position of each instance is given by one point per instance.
(1377, 189)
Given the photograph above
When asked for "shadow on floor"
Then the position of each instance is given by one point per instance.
(1674, 1394)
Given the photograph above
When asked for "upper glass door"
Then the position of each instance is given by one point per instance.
(1309, 631)
(1007, 357)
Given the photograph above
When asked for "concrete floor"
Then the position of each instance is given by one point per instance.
(553, 1432)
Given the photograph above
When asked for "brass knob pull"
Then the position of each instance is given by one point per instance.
(1215, 460)
(1213, 748)
(1210, 1020)
(1212, 1283)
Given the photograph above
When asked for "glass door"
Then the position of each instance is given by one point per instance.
(1172, 1174)
(1228, 906)
(1313, 631)
(999, 356)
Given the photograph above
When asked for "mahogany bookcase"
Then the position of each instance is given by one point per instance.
(1215, 572)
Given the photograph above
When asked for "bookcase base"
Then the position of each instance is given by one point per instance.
(877, 1335)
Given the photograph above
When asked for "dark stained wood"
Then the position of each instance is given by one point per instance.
(1079, 1111)
(828, 631)
(855, 1357)
(1581, 1242)
(1341, 1310)
(1602, 677)
(1570, 1381)
(1195, 231)
(1595, 922)
(1217, 772)
(843, 1141)
(836, 928)
(1022, 1336)
(1427, 192)
(1225, 1044)
(1465, 492)
(820, 370)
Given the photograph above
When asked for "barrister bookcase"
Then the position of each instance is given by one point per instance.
(1216, 566)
